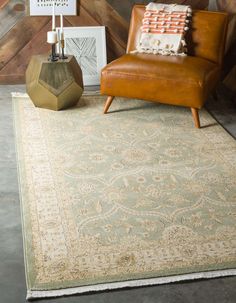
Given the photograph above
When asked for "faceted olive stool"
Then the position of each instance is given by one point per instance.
(54, 85)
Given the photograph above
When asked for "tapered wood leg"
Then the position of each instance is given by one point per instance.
(195, 117)
(107, 104)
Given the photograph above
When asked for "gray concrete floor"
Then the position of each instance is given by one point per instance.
(12, 277)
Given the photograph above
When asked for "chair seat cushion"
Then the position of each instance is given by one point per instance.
(175, 80)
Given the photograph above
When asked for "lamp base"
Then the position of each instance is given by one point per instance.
(63, 57)
(53, 57)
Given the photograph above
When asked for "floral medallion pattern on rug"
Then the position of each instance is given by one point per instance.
(137, 193)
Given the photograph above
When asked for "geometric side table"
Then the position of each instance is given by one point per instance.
(54, 85)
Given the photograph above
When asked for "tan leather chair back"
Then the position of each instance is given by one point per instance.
(205, 39)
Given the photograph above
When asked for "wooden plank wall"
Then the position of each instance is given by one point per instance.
(22, 36)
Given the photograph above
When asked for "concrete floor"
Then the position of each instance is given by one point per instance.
(12, 278)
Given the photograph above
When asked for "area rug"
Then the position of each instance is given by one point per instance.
(135, 197)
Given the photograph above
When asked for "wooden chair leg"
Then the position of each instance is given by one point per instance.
(195, 117)
(107, 104)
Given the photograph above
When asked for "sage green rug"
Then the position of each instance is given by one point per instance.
(135, 197)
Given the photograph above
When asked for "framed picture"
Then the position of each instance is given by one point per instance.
(44, 7)
(88, 45)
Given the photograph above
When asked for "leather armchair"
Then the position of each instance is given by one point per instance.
(177, 80)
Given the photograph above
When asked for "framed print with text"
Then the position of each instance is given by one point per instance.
(44, 7)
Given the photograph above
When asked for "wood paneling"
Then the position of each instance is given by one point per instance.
(21, 36)
(10, 13)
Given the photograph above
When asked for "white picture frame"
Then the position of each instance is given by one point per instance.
(44, 7)
(88, 45)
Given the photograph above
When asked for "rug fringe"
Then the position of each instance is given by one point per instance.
(133, 283)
